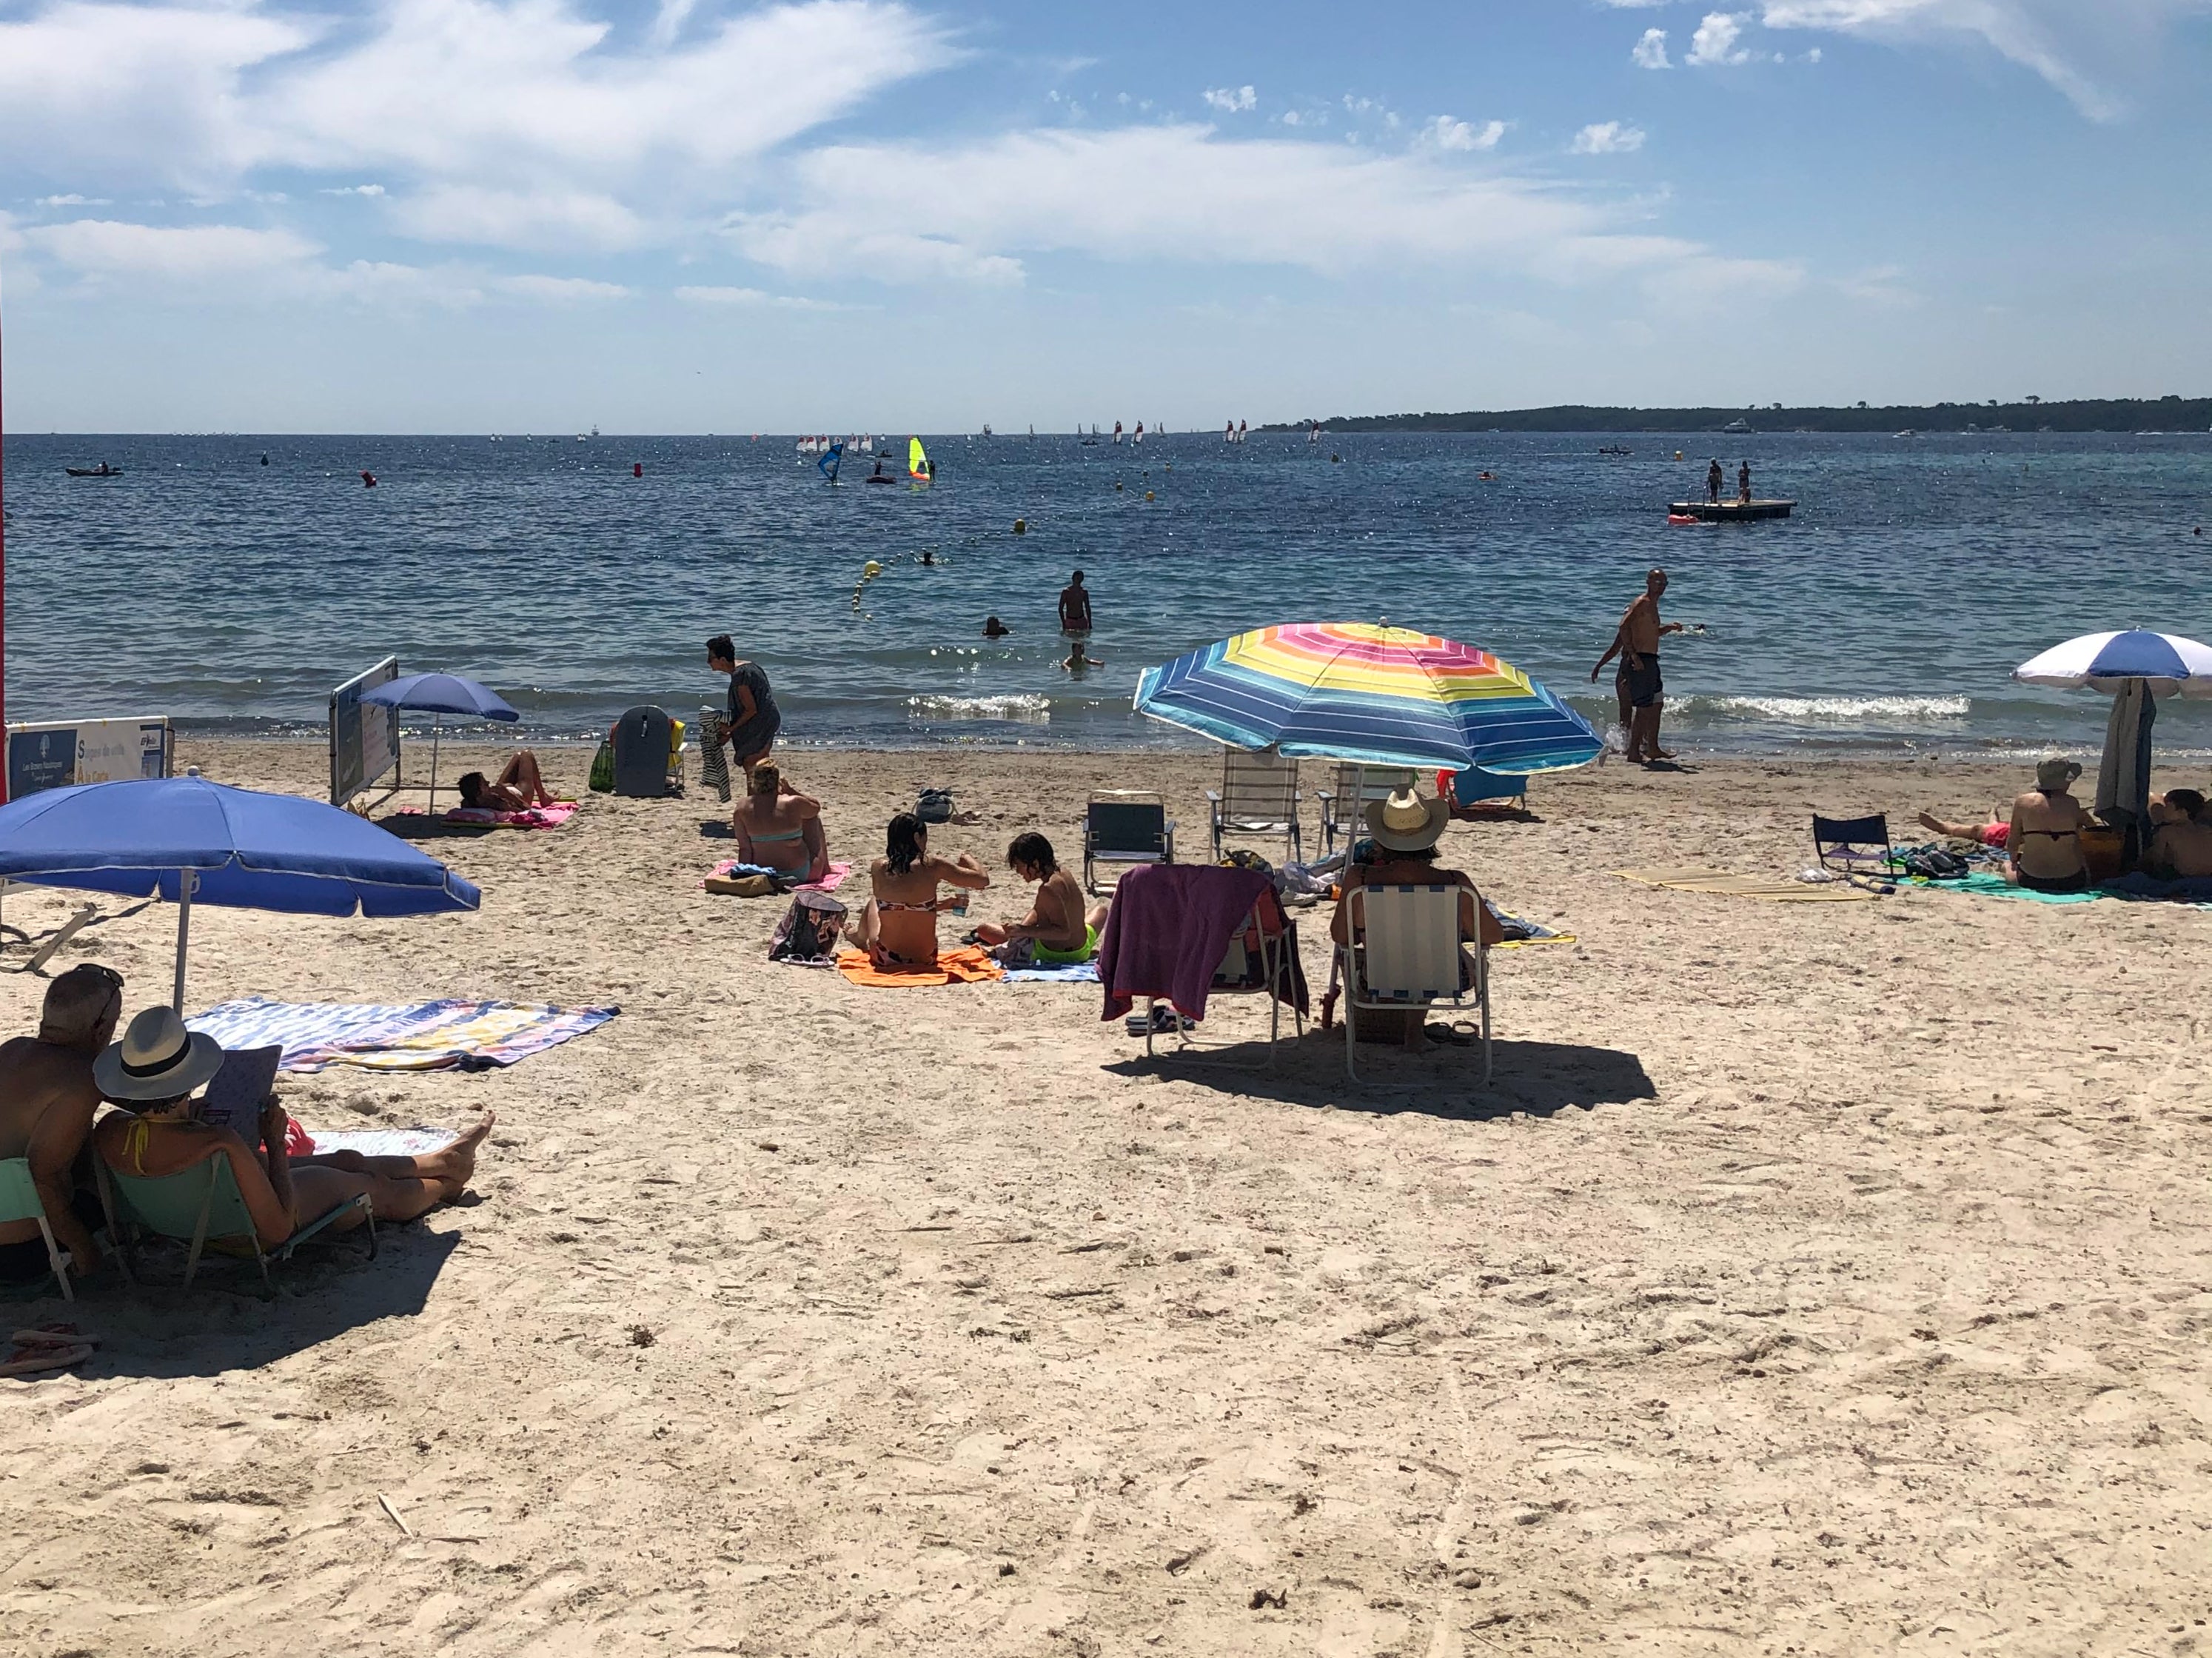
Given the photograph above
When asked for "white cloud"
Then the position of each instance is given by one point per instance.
(1230, 100)
(355, 190)
(73, 201)
(560, 291)
(108, 248)
(1186, 195)
(1651, 52)
(2082, 47)
(1635, 5)
(756, 297)
(1715, 42)
(1445, 133)
(1607, 138)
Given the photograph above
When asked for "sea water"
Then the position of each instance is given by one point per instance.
(1888, 614)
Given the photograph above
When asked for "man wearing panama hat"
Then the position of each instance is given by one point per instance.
(153, 1073)
(1405, 830)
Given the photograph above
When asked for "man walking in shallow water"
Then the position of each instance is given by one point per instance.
(1636, 641)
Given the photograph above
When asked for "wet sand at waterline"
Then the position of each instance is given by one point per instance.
(1819, 1276)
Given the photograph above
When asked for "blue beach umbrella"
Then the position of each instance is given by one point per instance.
(1372, 694)
(441, 693)
(185, 838)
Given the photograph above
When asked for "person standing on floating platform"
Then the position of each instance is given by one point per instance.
(1743, 484)
(1636, 643)
(1713, 483)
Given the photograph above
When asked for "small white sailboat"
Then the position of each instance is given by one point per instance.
(1140, 436)
(1117, 431)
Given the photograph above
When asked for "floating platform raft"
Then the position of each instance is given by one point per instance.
(1729, 512)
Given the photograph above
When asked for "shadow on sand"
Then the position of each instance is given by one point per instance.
(1540, 1078)
(226, 1321)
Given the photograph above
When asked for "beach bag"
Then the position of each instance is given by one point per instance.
(808, 934)
(1933, 862)
(603, 769)
(935, 806)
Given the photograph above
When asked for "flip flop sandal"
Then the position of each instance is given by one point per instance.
(1452, 1035)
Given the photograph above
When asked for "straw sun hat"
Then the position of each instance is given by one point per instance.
(1405, 822)
(157, 1059)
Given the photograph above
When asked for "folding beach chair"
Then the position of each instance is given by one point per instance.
(198, 1204)
(1854, 846)
(1344, 806)
(1407, 955)
(19, 1201)
(1475, 786)
(1258, 797)
(1262, 960)
(1125, 826)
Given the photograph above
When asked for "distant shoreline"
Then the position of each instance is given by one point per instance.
(2118, 415)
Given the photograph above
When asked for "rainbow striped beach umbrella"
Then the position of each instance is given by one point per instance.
(1358, 690)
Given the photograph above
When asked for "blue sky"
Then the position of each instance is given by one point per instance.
(700, 216)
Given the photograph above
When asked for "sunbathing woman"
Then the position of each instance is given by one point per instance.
(779, 828)
(519, 787)
(1060, 930)
(155, 1070)
(2043, 849)
(898, 927)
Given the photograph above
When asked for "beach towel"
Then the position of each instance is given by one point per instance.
(967, 964)
(2140, 888)
(1519, 931)
(1695, 879)
(534, 817)
(1169, 930)
(382, 1142)
(829, 883)
(449, 1033)
(1076, 973)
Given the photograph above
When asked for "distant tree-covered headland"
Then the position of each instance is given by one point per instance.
(2033, 414)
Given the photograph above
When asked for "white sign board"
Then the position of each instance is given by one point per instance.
(364, 736)
(56, 753)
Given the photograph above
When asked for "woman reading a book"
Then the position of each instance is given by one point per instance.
(154, 1073)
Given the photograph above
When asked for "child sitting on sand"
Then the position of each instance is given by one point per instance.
(1058, 930)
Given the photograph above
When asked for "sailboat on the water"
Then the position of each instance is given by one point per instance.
(919, 468)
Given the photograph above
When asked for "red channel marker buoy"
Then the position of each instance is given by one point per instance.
(637, 469)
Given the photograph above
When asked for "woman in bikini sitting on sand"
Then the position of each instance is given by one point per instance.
(1061, 931)
(898, 927)
(2043, 851)
(779, 828)
(519, 787)
(154, 1072)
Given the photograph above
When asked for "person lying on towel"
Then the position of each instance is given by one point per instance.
(519, 787)
(154, 1072)
(779, 828)
(1059, 931)
(1404, 829)
(898, 926)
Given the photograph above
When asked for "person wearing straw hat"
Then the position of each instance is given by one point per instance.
(157, 1067)
(1403, 829)
(47, 1101)
(2043, 848)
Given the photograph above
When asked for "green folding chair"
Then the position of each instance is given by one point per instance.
(198, 1204)
(19, 1201)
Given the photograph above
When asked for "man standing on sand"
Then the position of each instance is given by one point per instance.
(1637, 643)
(1075, 606)
(48, 1098)
(1713, 482)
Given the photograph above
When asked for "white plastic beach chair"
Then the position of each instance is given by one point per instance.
(1354, 788)
(1258, 796)
(1408, 955)
(20, 1201)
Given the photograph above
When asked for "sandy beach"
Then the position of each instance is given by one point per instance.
(1813, 1278)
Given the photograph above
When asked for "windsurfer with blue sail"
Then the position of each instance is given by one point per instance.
(829, 463)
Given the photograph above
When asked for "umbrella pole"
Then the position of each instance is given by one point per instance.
(433, 761)
(186, 880)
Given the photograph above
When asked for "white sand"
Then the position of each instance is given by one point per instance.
(1815, 1278)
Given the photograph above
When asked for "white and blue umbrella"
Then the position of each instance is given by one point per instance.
(2135, 668)
(2105, 661)
(441, 693)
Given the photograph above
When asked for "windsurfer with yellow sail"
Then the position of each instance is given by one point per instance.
(919, 468)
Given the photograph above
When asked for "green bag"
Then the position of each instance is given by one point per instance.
(603, 769)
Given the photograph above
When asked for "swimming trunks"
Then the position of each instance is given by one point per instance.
(1644, 685)
(1083, 952)
(2076, 882)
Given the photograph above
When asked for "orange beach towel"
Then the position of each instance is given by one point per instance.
(968, 965)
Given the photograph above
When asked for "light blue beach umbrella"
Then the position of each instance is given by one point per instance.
(184, 840)
(441, 693)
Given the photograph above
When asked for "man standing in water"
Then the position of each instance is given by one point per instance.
(1075, 606)
(1636, 643)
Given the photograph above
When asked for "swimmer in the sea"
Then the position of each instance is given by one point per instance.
(995, 629)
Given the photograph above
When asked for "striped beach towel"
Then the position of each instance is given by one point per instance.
(449, 1033)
